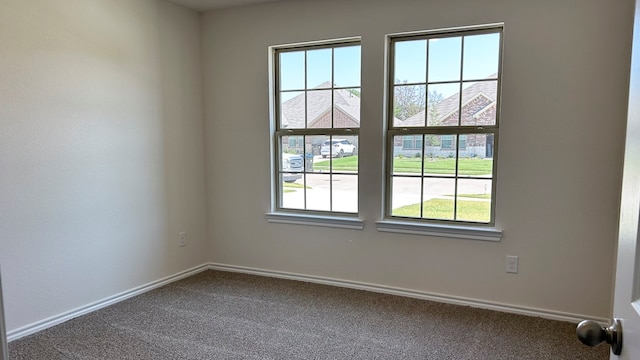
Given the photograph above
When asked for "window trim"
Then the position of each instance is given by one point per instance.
(460, 231)
(312, 219)
(425, 226)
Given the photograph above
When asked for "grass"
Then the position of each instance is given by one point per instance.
(291, 187)
(473, 166)
(469, 167)
(443, 209)
(294, 185)
(473, 196)
(347, 163)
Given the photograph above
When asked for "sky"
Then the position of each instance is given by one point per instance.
(411, 65)
(346, 73)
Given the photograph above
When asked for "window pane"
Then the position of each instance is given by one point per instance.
(292, 190)
(408, 104)
(346, 109)
(345, 193)
(410, 61)
(438, 198)
(318, 163)
(318, 192)
(347, 66)
(318, 109)
(405, 196)
(481, 56)
(292, 145)
(444, 59)
(474, 200)
(406, 160)
(292, 70)
(479, 103)
(439, 155)
(443, 104)
(290, 160)
(292, 110)
(319, 68)
(344, 152)
(476, 158)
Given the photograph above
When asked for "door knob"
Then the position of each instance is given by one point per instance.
(592, 334)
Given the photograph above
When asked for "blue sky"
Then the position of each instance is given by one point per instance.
(347, 68)
(411, 65)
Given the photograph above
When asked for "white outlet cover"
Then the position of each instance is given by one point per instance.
(512, 264)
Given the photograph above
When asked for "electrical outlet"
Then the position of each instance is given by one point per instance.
(512, 264)
(182, 239)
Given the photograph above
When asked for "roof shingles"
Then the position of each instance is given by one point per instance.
(318, 103)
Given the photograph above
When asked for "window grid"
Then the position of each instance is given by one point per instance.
(456, 132)
(307, 133)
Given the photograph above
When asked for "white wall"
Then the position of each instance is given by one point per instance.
(101, 150)
(565, 86)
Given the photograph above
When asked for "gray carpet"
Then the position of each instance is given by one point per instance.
(220, 315)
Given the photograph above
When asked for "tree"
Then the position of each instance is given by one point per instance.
(434, 98)
(408, 100)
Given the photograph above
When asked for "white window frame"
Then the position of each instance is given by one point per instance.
(278, 213)
(436, 227)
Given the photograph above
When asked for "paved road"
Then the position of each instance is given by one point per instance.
(406, 191)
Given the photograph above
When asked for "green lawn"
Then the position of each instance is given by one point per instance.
(473, 166)
(473, 196)
(443, 209)
(347, 163)
(294, 185)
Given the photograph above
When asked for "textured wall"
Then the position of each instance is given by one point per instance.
(565, 86)
(101, 150)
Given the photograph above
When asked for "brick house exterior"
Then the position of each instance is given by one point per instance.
(317, 111)
(478, 108)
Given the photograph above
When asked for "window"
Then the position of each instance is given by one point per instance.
(411, 142)
(317, 112)
(446, 142)
(446, 92)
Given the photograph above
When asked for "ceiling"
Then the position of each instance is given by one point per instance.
(204, 5)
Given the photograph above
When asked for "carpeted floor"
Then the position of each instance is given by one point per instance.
(220, 315)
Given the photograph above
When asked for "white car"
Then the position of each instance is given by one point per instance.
(339, 148)
(292, 166)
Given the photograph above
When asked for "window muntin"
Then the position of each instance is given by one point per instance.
(445, 91)
(317, 104)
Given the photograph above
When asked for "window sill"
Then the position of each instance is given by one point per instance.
(316, 220)
(457, 231)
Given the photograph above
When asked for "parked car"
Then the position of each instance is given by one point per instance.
(339, 148)
(292, 166)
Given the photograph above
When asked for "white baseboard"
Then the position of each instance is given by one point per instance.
(66, 316)
(442, 298)
(514, 309)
